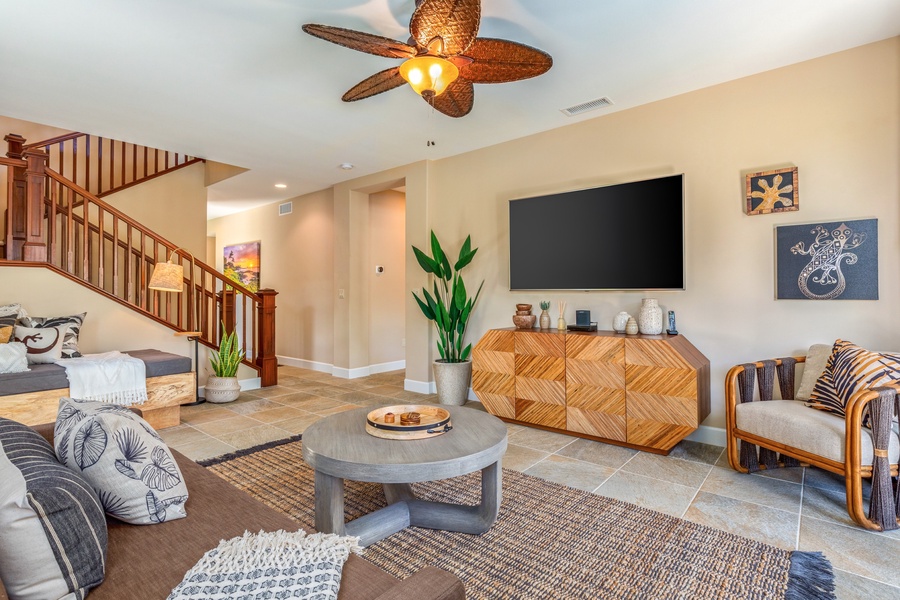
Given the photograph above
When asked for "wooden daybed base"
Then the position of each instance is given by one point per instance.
(165, 395)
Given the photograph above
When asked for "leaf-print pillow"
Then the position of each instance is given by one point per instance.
(124, 460)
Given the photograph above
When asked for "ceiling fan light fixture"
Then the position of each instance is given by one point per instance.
(429, 75)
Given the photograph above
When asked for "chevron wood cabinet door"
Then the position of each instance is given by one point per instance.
(644, 391)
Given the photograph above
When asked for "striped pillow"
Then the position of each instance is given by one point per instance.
(850, 369)
(53, 542)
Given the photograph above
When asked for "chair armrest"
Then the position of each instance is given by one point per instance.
(731, 387)
(853, 421)
(428, 583)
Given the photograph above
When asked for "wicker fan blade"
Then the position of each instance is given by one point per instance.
(454, 21)
(379, 82)
(457, 99)
(499, 61)
(364, 42)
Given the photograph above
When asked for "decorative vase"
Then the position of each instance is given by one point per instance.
(452, 381)
(620, 321)
(561, 324)
(221, 389)
(631, 328)
(650, 317)
(545, 320)
(523, 319)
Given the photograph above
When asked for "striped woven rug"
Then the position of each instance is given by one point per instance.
(550, 541)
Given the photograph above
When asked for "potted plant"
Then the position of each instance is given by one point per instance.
(224, 386)
(449, 308)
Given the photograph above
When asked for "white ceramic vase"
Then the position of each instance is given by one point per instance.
(650, 317)
(620, 321)
(221, 389)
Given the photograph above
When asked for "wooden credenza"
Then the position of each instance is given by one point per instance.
(640, 391)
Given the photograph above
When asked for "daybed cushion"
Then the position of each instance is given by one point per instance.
(53, 377)
(817, 432)
(123, 459)
(54, 536)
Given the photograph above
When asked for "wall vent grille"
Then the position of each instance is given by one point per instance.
(586, 106)
(285, 208)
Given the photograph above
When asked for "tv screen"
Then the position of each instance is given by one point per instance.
(618, 237)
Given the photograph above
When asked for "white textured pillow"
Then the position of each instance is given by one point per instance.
(816, 359)
(15, 309)
(44, 344)
(123, 459)
(12, 358)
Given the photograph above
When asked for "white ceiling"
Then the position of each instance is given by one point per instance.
(238, 82)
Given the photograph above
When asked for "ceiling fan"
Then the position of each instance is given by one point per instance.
(443, 56)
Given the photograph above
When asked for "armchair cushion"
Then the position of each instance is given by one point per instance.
(816, 359)
(817, 432)
(850, 369)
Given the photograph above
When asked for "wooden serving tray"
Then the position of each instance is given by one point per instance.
(434, 421)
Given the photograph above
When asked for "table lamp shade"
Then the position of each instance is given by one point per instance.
(167, 277)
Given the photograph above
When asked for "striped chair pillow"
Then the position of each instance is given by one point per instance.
(850, 369)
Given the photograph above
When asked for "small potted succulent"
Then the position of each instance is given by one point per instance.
(545, 316)
(224, 386)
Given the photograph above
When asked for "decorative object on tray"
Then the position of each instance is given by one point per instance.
(545, 316)
(672, 330)
(766, 194)
(620, 321)
(284, 564)
(224, 386)
(449, 309)
(650, 317)
(523, 319)
(111, 377)
(416, 422)
(561, 322)
(837, 260)
(631, 327)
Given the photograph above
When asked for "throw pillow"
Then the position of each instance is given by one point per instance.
(13, 358)
(44, 344)
(70, 344)
(850, 369)
(123, 458)
(816, 359)
(14, 310)
(6, 332)
(54, 532)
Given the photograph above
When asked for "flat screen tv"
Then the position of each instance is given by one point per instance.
(628, 236)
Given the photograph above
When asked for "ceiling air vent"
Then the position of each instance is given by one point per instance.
(285, 208)
(586, 106)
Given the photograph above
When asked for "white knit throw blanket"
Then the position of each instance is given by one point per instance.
(270, 565)
(108, 377)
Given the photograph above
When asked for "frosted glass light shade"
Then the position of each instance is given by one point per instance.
(167, 277)
(428, 74)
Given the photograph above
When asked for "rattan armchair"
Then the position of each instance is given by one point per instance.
(787, 433)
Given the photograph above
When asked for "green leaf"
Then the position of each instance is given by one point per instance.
(427, 264)
(426, 310)
(465, 353)
(465, 255)
(459, 293)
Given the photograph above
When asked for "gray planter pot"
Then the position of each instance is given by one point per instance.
(221, 389)
(452, 381)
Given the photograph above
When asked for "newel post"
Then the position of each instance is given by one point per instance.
(15, 193)
(35, 247)
(266, 359)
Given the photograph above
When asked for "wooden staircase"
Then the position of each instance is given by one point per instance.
(56, 218)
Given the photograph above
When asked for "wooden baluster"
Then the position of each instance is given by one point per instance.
(244, 322)
(145, 161)
(101, 251)
(87, 163)
(85, 241)
(51, 222)
(115, 264)
(155, 161)
(112, 164)
(265, 342)
(70, 230)
(99, 165)
(133, 163)
(129, 284)
(167, 159)
(143, 273)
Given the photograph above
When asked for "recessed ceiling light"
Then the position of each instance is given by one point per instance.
(346, 166)
(281, 185)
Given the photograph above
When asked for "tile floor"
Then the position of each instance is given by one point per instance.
(792, 508)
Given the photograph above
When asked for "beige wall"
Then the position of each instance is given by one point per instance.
(387, 290)
(296, 259)
(837, 118)
(32, 132)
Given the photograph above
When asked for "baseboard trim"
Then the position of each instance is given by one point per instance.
(340, 371)
(709, 435)
(305, 364)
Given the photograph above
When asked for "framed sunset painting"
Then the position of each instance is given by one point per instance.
(242, 264)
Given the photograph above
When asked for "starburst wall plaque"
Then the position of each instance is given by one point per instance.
(773, 191)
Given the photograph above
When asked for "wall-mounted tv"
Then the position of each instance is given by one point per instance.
(628, 236)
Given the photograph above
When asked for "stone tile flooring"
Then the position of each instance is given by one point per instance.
(792, 508)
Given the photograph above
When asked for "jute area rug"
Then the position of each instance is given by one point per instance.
(550, 541)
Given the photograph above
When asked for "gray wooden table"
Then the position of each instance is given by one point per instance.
(339, 448)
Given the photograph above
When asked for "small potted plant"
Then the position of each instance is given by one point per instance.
(545, 316)
(224, 386)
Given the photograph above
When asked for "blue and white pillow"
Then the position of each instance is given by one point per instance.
(52, 528)
(123, 458)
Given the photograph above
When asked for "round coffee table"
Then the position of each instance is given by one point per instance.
(339, 448)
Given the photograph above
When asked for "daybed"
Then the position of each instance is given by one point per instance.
(146, 562)
(32, 397)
